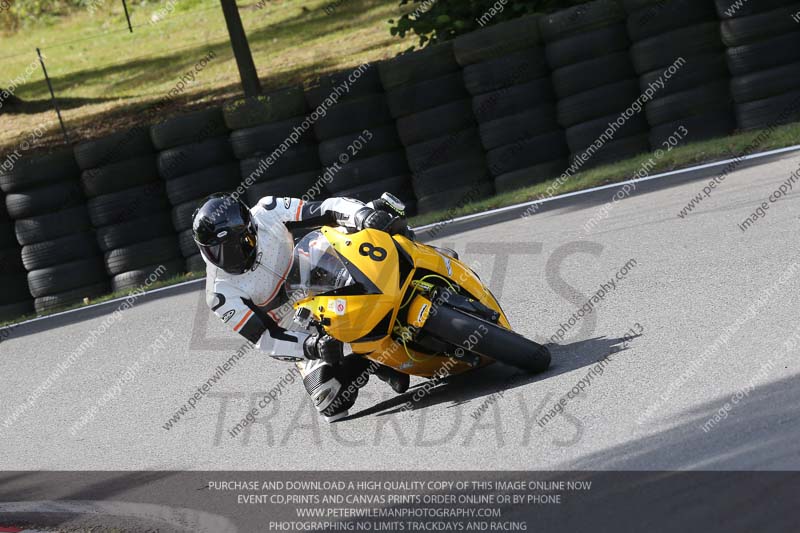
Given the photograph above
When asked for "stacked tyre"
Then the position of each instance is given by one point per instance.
(44, 197)
(128, 208)
(506, 73)
(679, 54)
(15, 300)
(436, 125)
(273, 140)
(195, 159)
(358, 142)
(763, 40)
(587, 48)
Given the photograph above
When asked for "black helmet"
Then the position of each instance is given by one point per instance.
(225, 232)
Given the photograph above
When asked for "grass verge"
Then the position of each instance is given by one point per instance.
(680, 157)
(105, 77)
(98, 300)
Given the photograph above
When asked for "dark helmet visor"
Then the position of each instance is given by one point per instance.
(225, 233)
(230, 255)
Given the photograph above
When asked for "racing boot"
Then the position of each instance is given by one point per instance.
(334, 387)
(396, 380)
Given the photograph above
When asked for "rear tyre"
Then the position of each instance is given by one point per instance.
(494, 342)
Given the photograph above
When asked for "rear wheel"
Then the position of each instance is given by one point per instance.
(487, 339)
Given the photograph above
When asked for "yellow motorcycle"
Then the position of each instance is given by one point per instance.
(403, 304)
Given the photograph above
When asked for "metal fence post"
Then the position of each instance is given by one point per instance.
(127, 17)
(53, 96)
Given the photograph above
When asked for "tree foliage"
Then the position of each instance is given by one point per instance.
(434, 21)
(19, 13)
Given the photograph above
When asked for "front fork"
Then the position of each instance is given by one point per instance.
(466, 304)
(423, 305)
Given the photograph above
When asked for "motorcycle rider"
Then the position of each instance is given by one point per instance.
(248, 254)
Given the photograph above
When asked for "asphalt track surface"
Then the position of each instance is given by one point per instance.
(692, 279)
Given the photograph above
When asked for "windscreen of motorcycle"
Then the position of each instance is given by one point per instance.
(316, 268)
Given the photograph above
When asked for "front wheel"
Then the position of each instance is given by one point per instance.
(485, 338)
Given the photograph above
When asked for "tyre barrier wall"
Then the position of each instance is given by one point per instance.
(588, 50)
(696, 101)
(128, 207)
(45, 199)
(506, 73)
(434, 119)
(442, 126)
(15, 299)
(763, 55)
(358, 142)
(195, 159)
(263, 129)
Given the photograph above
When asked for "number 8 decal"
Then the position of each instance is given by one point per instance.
(375, 253)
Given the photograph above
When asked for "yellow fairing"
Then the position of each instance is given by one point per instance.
(418, 311)
(363, 312)
(365, 320)
(427, 258)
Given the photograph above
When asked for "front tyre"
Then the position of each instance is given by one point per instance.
(485, 338)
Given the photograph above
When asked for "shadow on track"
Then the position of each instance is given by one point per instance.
(458, 390)
(760, 432)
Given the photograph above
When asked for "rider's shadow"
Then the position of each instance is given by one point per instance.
(489, 380)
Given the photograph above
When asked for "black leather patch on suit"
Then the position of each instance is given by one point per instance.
(220, 301)
(272, 204)
(263, 323)
(311, 216)
(253, 329)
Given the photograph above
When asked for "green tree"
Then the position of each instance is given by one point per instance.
(434, 21)
(19, 13)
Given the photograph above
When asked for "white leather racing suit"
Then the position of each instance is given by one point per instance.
(254, 304)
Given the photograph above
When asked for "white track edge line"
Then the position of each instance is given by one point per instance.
(609, 186)
(471, 217)
(109, 302)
